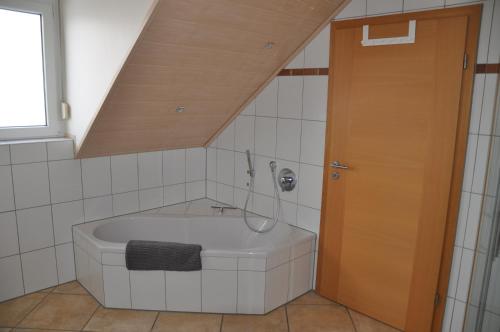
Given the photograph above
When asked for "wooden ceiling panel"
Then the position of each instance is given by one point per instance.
(207, 56)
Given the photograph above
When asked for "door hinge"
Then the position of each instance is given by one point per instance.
(437, 299)
(466, 60)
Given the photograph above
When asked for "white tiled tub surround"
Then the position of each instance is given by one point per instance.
(232, 280)
(44, 192)
(287, 122)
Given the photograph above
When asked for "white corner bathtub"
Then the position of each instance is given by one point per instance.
(242, 271)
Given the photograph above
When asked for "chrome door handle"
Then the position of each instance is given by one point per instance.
(336, 164)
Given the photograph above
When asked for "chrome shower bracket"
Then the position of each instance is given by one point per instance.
(287, 179)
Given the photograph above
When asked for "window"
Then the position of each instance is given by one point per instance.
(29, 69)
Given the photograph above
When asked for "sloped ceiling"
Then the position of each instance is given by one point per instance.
(206, 56)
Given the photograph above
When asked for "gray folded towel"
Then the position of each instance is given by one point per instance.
(167, 256)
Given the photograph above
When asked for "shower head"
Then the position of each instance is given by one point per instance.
(250, 171)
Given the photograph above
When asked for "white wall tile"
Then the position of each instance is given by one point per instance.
(455, 271)
(150, 169)
(4, 154)
(183, 290)
(266, 103)
(265, 136)
(224, 193)
(308, 218)
(355, 8)
(195, 164)
(249, 109)
(35, 228)
(240, 196)
(219, 291)
(263, 179)
(244, 133)
(448, 314)
(31, 185)
(410, 5)
(480, 167)
(276, 286)
(9, 244)
(288, 139)
(28, 153)
(251, 264)
(297, 61)
(465, 274)
(484, 31)
(150, 198)
(470, 160)
(64, 216)
(195, 190)
(39, 269)
(212, 190)
(288, 213)
(174, 166)
(377, 7)
(98, 208)
(290, 96)
(174, 194)
(96, 176)
(315, 98)
(219, 263)
(263, 205)
(300, 275)
(312, 142)
(124, 175)
(116, 286)
(65, 180)
(125, 203)
(147, 290)
(477, 103)
(489, 99)
(241, 177)
(457, 320)
(251, 291)
(96, 281)
(225, 167)
(6, 189)
(473, 221)
(11, 276)
(65, 262)
(226, 138)
(60, 150)
(212, 164)
(311, 183)
(494, 47)
(462, 218)
(317, 51)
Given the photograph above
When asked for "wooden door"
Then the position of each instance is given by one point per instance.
(393, 116)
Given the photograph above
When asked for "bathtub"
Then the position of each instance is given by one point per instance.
(242, 271)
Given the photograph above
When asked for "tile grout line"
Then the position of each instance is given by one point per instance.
(156, 319)
(91, 316)
(221, 322)
(286, 317)
(33, 309)
(351, 319)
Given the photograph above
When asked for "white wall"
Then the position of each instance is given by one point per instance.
(97, 36)
(286, 122)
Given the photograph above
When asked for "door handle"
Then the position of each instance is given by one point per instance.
(336, 164)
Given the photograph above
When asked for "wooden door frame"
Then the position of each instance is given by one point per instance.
(474, 16)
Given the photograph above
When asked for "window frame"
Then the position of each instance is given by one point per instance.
(51, 43)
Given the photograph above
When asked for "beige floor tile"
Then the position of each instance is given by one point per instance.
(121, 320)
(311, 298)
(47, 290)
(37, 330)
(61, 312)
(187, 322)
(13, 311)
(72, 287)
(5, 329)
(319, 318)
(275, 321)
(366, 324)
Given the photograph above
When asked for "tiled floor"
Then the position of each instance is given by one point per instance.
(69, 307)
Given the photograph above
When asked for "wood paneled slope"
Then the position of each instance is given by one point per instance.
(207, 56)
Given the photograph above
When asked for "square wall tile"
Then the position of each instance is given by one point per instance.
(211, 164)
(288, 139)
(477, 103)
(35, 228)
(277, 286)
(28, 153)
(241, 177)
(212, 190)
(470, 160)
(225, 194)
(377, 7)
(288, 213)
(98, 208)
(244, 133)
(473, 218)
(310, 185)
(64, 216)
(195, 164)
(297, 62)
(458, 317)
(225, 167)
(249, 109)
(116, 286)
(195, 190)
(39, 269)
(266, 103)
(125, 203)
(480, 167)
(301, 270)
(315, 98)
(455, 271)
(12, 278)
(60, 150)
(410, 5)
(308, 218)
(124, 174)
(147, 290)
(265, 136)
(355, 8)
(462, 218)
(174, 194)
(31, 185)
(318, 50)
(251, 290)
(465, 274)
(9, 244)
(183, 290)
(4, 154)
(263, 180)
(65, 262)
(485, 31)
(6, 189)
(489, 103)
(150, 198)
(65, 180)
(290, 96)
(96, 176)
(312, 146)
(263, 205)
(96, 280)
(226, 138)
(174, 166)
(219, 291)
(150, 169)
(494, 47)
